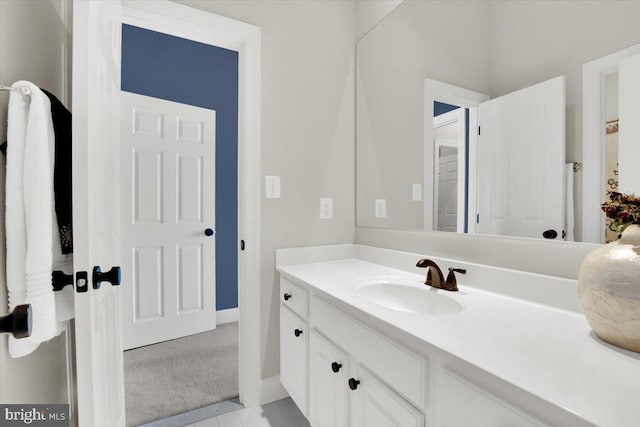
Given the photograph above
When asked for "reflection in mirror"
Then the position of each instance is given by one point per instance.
(611, 145)
(450, 135)
(481, 130)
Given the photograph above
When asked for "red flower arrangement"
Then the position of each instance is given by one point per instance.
(622, 209)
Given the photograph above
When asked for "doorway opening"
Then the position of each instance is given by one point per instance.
(185, 204)
(451, 141)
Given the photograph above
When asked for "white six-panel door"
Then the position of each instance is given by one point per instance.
(521, 152)
(446, 200)
(168, 200)
(96, 211)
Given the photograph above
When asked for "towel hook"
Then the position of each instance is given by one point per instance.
(24, 90)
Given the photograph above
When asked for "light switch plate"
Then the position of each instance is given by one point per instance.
(381, 208)
(272, 187)
(416, 192)
(326, 208)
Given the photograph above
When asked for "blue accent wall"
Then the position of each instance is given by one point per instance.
(180, 70)
(441, 108)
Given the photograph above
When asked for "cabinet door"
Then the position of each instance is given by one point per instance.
(294, 356)
(374, 404)
(461, 404)
(328, 375)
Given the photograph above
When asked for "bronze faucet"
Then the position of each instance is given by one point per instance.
(437, 280)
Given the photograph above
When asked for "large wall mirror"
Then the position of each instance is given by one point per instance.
(498, 117)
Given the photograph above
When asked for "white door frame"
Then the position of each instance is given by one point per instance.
(435, 90)
(194, 24)
(594, 74)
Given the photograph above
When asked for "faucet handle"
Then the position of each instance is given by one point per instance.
(452, 283)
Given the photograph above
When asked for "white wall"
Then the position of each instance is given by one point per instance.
(33, 43)
(370, 12)
(307, 131)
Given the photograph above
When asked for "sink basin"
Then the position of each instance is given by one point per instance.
(409, 298)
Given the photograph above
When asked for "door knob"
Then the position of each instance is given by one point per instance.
(353, 383)
(112, 276)
(209, 232)
(335, 367)
(18, 322)
(297, 332)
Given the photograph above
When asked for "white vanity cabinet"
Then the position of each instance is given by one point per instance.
(342, 373)
(294, 353)
(353, 378)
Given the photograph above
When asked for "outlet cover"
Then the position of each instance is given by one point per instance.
(416, 192)
(326, 208)
(381, 208)
(272, 187)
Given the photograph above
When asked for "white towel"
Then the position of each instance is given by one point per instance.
(30, 216)
(569, 202)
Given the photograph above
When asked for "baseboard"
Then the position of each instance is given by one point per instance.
(227, 316)
(271, 390)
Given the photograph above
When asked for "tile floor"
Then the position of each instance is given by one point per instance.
(283, 413)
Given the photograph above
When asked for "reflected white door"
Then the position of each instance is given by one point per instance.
(521, 155)
(168, 201)
(96, 198)
(446, 206)
(629, 133)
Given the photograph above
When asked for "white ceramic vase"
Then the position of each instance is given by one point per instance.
(609, 288)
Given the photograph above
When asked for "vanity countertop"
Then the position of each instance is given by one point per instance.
(548, 352)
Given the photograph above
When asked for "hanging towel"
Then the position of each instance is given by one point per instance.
(62, 171)
(569, 223)
(30, 219)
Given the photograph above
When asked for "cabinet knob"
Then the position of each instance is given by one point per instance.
(297, 332)
(335, 367)
(353, 383)
(287, 297)
(209, 232)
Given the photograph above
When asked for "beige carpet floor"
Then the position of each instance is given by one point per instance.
(176, 376)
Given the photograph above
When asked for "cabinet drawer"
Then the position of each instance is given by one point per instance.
(294, 355)
(398, 367)
(294, 297)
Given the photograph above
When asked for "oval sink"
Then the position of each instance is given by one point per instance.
(409, 298)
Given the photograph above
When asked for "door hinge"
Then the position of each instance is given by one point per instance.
(477, 218)
(242, 245)
(478, 130)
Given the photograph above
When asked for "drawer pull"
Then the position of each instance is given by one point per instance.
(353, 383)
(335, 367)
(297, 332)
(287, 297)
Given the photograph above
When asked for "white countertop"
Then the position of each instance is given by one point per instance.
(548, 352)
